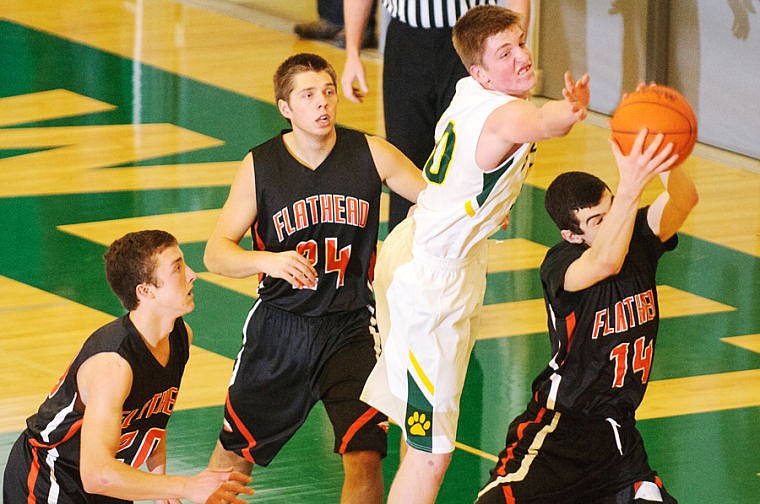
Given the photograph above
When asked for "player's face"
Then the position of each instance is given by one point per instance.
(312, 104)
(589, 219)
(507, 64)
(174, 279)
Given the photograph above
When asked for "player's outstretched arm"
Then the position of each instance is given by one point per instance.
(557, 117)
(521, 121)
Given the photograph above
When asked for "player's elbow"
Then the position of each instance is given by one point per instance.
(208, 260)
(685, 203)
(692, 198)
(97, 480)
(608, 270)
(211, 257)
(606, 267)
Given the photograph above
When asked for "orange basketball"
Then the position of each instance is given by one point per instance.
(661, 109)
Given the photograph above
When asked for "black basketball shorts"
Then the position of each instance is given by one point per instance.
(551, 458)
(289, 362)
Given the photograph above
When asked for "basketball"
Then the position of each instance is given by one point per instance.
(661, 109)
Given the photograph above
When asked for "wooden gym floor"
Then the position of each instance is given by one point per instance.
(129, 114)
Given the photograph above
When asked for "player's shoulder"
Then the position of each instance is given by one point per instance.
(108, 337)
(559, 257)
(379, 146)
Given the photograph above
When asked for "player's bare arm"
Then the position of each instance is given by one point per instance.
(156, 464)
(523, 7)
(353, 79)
(104, 382)
(557, 117)
(395, 169)
(225, 256)
(615, 221)
(668, 212)
(521, 121)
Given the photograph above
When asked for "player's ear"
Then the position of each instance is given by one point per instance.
(284, 109)
(143, 290)
(571, 237)
(479, 74)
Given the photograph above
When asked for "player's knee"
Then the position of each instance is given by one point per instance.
(363, 463)
(223, 458)
(434, 464)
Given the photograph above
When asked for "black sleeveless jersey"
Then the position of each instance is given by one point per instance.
(56, 425)
(602, 337)
(329, 214)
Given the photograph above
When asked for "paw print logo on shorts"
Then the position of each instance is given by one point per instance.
(419, 425)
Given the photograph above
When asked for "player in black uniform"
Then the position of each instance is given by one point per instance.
(107, 415)
(577, 441)
(312, 206)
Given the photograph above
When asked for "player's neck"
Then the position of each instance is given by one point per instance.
(309, 149)
(153, 328)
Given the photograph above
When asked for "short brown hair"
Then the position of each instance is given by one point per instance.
(476, 26)
(132, 260)
(294, 65)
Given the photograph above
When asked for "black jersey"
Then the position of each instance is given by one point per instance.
(329, 214)
(602, 337)
(54, 431)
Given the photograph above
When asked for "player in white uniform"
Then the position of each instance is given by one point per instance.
(431, 271)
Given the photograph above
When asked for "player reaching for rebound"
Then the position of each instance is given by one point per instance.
(577, 441)
(431, 270)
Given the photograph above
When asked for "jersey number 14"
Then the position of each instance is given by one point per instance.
(641, 360)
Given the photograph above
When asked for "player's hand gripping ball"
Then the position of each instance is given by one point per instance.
(660, 109)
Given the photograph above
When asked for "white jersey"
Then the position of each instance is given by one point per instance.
(462, 204)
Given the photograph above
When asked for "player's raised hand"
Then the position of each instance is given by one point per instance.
(641, 165)
(577, 93)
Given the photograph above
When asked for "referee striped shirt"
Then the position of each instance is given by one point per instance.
(431, 13)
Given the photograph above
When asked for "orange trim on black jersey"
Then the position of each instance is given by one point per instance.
(31, 479)
(72, 431)
(570, 329)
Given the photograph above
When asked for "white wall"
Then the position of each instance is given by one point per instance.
(711, 54)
